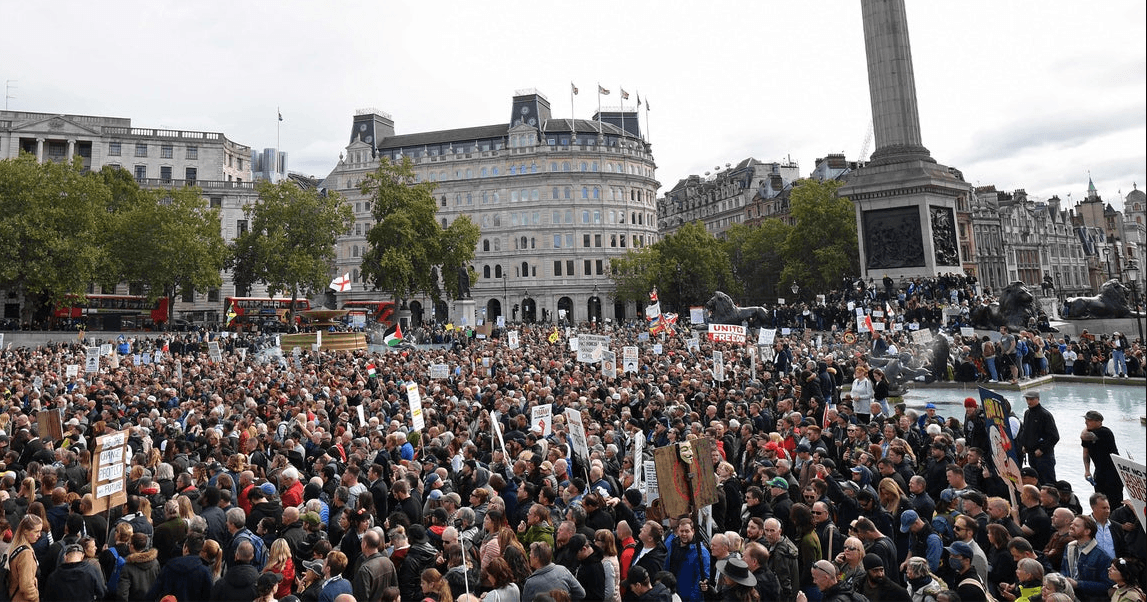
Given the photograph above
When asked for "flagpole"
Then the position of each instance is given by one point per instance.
(278, 125)
(621, 91)
(599, 108)
(647, 132)
(573, 114)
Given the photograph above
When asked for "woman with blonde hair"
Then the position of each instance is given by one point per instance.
(21, 560)
(608, 544)
(212, 556)
(279, 561)
(434, 587)
(186, 511)
(923, 586)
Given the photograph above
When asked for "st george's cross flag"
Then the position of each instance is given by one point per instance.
(342, 283)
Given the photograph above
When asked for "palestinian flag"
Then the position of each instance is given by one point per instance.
(393, 336)
(371, 371)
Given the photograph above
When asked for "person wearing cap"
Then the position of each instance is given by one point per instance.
(968, 582)
(922, 540)
(639, 589)
(1038, 437)
(876, 585)
(1098, 444)
(74, 579)
(265, 587)
(782, 505)
(310, 583)
(827, 580)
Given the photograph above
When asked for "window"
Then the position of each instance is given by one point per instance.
(597, 216)
(216, 202)
(497, 244)
(585, 216)
(498, 271)
(587, 268)
(486, 271)
(165, 173)
(600, 268)
(553, 166)
(523, 241)
(569, 267)
(525, 271)
(166, 151)
(141, 150)
(114, 149)
(486, 245)
(556, 217)
(140, 172)
(188, 295)
(568, 192)
(241, 227)
(613, 240)
(557, 268)
(569, 241)
(585, 240)
(354, 251)
(190, 174)
(584, 192)
(597, 240)
(193, 152)
(566, 165)
(569, 216)
(557, 241)
(212, 295)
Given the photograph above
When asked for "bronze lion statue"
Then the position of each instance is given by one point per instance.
(1015, 309)
(722, 310)
(1111, 302)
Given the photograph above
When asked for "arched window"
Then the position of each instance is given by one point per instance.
(566, 166)
(596, 193)
(444, 224)
(354, 251)
(355, 275)
(553, 166)
(533, 168)
(497, 245)
(523, 243)
(486, 271)
(484, 172)
(525, 269)
(497, 219)
(534, 194)
(557, 193)
(512, 170)
(498, 271)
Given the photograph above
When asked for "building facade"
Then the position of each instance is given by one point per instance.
(158, 158)
(722, 198)
(555, 199)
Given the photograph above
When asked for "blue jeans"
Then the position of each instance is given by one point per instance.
(1120, 361)
(991, 362)
(1044, 465)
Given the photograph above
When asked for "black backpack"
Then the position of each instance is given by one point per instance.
(4, 597)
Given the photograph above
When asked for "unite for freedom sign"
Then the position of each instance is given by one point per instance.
(727, 333)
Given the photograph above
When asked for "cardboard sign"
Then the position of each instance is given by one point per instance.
(512, 339)
(439, 372)
(51, 424)
(697, 315)
(577, 432)
(215, 353)
(542, 419)
(108, 474)
(92, 360)
(1134, 477)
(501, 321)
(686, 478)
(728, 333)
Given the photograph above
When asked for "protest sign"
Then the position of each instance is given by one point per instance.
(542, 419)
(629, 358)
(590, 348)
(577, 433)
(728, 333)
(922, 337)
(1134, 477)
(609, 364)
(92, 360)
(512, 339)
(697, 315)
(718, 366)
(439, 372)
(1004, 455)
(415, 399)
(766, 336)
(108, 474)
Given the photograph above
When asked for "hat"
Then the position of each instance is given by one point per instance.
(637, 574)
(415, 533)
(737, 571)
(779, 483)
(314, 566)
(73, 548)
(930, 406)
(948, 494)
(312, 518)
(435, 494)
(1031, 394)
(547, 465)
(268, 489)
(772, 445)
(872, 561)
(850, 485)
(432, 479)
(970, 402)
(1064, 486)
(804, 448)
(1028, 471)
(1093, 415)
(908, 519)
(268, 579)
(959, 548)
(454, 498)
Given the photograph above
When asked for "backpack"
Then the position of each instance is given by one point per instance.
(260, 559)
(113, 579)
(4, 597)
(976, 582)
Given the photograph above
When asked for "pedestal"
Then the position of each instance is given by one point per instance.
(464, 312)
(403, 317)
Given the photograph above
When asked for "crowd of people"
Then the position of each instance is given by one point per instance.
(254, 476)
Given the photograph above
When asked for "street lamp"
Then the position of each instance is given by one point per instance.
(1107, 258)
(796, 290)
(505, 297)
(1133, 279)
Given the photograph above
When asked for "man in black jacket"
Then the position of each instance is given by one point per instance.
(1038, 437)
(74, 580)
(239, 581)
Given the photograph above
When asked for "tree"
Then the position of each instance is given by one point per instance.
(48, 222)
(756, 258)
(686, 267)
(407, 244)
(290, 243)
(166, 240)
(823, 245)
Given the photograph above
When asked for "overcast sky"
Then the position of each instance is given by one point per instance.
(1029, 95)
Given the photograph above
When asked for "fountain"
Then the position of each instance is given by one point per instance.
(323, 320)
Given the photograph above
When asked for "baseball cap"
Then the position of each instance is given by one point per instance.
(908, 519)
(269, 579)
(970, 402)
(268, 489)
(779, 483)
(803, 448)
(959, 548)
(637, 574)
(435, 494)
(453, 497)
(948, 494)
(312, 518)
(930, 406)
(314, 566)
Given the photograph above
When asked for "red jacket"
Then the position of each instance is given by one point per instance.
(293, 496)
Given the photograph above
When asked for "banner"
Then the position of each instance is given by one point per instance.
(1134, 477)
(609, 364)
(590, 348)
(766, 336)
(542, 419)
(728, 333)
(697, 315)
(1004, 454)
(415, 399)
(718, 366)
(629, 358)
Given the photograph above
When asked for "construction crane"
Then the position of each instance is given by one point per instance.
(862, 157)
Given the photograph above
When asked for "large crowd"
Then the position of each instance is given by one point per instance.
(253, 476)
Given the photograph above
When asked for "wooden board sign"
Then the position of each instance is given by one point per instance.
(109, 471)
(682, 486)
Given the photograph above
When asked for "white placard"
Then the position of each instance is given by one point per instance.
(766, 336)
(786, 332)
(697, 315)
(361, 415)
(657, 348)
(609, 364)
(92, 360)
(114, 487)
(415, 399)
(214, 352)
(105, 349)
(439, 372)
(922, 337)
(727, 333)
(693, 344)
(638, 452)
(111, 456)
(512, 339)
(851, 305)
(501, 321)
(651, 492)
(1134, 477)
(780, 300)
(577, 432)
(72, 371)
(145, 359)
(573, 343)
(718, 366)
(116, 440)
(878, 326)
(109, 472)
(590, 348)
(967, 331)
(629, 359)
(37, 383)
(542, 419)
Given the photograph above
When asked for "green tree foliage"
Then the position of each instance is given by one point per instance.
(408, 246)
(756, 256)
(686, 267)
(290, 243)
(49, 219)
(823, 246)
(166, 240)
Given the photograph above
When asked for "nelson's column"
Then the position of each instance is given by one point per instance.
(905, 201)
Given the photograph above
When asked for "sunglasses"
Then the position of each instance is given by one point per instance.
(853, 549)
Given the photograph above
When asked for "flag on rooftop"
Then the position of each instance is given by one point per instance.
(624, 94)
(573, 88)
(601, 90)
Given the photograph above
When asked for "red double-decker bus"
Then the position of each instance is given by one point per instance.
(244, 312)
(379, 311)
(111, 312)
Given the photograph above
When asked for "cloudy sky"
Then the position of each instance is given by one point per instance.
(1029, 95)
